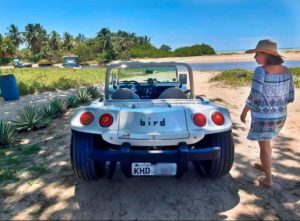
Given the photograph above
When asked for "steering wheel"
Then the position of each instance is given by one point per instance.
(132, 85)
(131, 82)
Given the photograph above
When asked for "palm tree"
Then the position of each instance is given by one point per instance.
(7, 47)
(67, 41)
(165, 48)
(1, 45)
(127, 41)
(143, 40)
(15, 35)
(122, 34)
(105, 36)
(80, 38)
(35, 36)
(146, 39)
(54, 41)
(45, 52)
(29, 36)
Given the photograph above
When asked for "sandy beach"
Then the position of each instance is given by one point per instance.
(59, 195)
(222, 57)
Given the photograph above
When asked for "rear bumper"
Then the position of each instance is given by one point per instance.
(181, 156)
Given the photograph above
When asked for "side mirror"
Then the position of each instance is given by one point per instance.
(183, 78)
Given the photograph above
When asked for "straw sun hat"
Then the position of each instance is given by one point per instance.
(265, 46)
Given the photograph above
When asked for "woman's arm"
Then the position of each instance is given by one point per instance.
(254, 99)
(244, 113)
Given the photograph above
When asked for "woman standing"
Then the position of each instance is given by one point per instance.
(272, 89)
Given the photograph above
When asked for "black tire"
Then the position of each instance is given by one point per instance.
(221, 166)
(83, 167)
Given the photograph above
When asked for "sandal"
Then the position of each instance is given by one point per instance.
(262, 182)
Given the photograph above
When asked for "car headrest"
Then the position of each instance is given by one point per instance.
(173, 93)
(124, 93)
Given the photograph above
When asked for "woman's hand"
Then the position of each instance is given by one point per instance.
(243, 116)
(244, 113)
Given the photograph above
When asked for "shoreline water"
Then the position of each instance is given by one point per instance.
(218, 62)
(221, 58)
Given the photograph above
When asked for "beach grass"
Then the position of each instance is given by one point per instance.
(241, 77)
(32, 80)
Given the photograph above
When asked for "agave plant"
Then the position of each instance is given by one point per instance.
(83, 96)
(93, 92)
(6, 133)
(59, 105)
(56, 108)
(49, 112)
(72, 101)
(30, 118)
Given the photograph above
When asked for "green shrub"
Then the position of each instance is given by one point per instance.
(57, 56)
(235, 77)
(296, 74)
(107, 57)
(30, 118)
(23, 88)
(4, 61)
(65, 83)
(43, 63)
(84, 51)
(34, 58)
(147, 50)
(84, 63)
(7, 135)
(241, 77)
(195, 50)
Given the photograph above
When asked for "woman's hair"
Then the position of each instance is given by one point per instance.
(273, 60)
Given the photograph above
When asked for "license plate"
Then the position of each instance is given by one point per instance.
(157, 169)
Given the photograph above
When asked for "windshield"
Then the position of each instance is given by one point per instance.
(146, 74)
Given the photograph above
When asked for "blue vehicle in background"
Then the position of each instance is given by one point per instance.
(70, 61)
(19, 64)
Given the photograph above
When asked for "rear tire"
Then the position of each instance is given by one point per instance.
(221, 166)
(83, 167)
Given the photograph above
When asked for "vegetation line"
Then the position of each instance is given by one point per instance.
(42, 46)
(241, 77)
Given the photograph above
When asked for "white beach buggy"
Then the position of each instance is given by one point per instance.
(150, 123)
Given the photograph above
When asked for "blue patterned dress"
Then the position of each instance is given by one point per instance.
(268, 99)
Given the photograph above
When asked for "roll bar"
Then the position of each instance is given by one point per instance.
(143, 65)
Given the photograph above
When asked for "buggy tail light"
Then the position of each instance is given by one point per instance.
(218, 118)
(199, 119)
(106, 120)
(86, 118)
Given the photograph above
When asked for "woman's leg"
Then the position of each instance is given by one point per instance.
(266, 161)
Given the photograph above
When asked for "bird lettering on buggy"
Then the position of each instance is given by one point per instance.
(149, 122)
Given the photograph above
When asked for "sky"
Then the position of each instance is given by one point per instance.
(224, 24)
